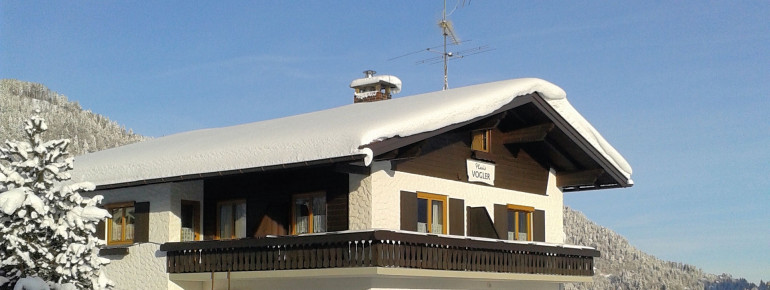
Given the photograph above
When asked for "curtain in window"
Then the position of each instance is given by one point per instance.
(117, 224)
(319, 214)
(187, 235)
(225, 221)
(301, 211)
(130, 221)
(437, 225)
(522, 226)
(511, 225)
(187, 217)
(240, 220)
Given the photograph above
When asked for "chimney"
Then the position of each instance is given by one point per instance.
(373, 88)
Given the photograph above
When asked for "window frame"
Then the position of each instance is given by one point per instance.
(444, 208)
(196, 216)
(112, 206)
(529, 211)
(481, 140)
(219, 216)
(311, 196)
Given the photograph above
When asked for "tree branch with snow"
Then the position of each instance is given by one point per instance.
(47, 229)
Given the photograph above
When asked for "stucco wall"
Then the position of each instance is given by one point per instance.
(360, 202)
(145, 265)
(387, 185)
(369, 283)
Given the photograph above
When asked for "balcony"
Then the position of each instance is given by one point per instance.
(379, 248)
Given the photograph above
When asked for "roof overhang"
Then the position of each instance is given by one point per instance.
(535, 99)
(188, 177)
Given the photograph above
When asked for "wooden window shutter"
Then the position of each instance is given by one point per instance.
(480, 223)
(538, 226)
(337, 213)
(100, 230)
(142, 226)
(501, 221)
(409, 211)
(456, 217)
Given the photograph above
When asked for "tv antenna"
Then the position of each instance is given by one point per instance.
(450, 38)
(447, 30)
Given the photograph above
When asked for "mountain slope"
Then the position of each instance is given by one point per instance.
(623, 266)
(88, 132)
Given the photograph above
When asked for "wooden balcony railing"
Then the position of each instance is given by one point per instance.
(378, 248)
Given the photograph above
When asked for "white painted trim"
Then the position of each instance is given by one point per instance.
(372, 272)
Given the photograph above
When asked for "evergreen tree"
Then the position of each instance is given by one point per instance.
(46, 227)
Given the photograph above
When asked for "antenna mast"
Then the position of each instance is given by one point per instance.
(444, 31)
(447, 30)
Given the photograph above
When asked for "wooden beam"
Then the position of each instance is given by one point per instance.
(491, 123)
(526, 135)
(410, 151)
(558, 158)
(576, 178)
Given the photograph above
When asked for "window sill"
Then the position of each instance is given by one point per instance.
(115, 250)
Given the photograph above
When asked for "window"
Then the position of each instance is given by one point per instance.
(481, 140)
(520, 222)
(190, 217)
(120, 227)
(231, 219)
(431, 213)
(308, 213)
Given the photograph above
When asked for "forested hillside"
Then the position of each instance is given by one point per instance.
(87, 131)
(623, 266)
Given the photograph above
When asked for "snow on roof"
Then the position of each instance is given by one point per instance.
(331, 133)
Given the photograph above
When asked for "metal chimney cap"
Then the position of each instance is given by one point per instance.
(369, 73)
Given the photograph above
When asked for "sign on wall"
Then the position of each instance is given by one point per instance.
(481, 171)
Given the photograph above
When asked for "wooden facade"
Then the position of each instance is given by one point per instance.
(268, 198)
(444, 156)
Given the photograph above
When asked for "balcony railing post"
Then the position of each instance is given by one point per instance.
(376, 249)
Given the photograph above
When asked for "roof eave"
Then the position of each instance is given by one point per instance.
(616, 174)
(196, 176)
(535, 98)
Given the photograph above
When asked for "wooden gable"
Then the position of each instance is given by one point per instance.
(445, 155)
(527, 139)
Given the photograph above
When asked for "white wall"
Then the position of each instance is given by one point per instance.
(387, 185)
(360, 202)
(370, 283)
(145, 265)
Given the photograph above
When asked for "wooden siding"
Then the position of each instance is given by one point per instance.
(268, 198)
(445, 155)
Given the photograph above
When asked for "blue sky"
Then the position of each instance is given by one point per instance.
(680, 88)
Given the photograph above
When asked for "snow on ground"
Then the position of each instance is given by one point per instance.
(331, 133)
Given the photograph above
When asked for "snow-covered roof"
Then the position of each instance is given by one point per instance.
(327, 134)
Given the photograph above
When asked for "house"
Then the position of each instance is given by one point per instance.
(456, 189)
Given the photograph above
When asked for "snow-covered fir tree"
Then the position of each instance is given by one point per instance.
(47, 229)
